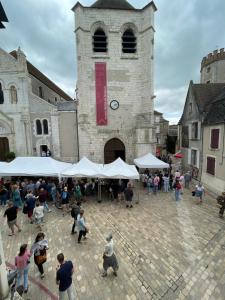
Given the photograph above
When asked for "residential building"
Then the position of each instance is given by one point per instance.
(30, 120)
(161, 132)
(115, 58)
(213, 169)
(197, 105)
(173, 130)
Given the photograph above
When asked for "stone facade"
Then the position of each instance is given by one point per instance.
(23, 108)
(129, 80)
(213, 67)
(215, 182)
(161, 132)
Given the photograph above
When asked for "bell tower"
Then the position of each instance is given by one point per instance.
(115, 60)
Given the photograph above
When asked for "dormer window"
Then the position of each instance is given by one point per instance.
(129, 43)
(99, 41)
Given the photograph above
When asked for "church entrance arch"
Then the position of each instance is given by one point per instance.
(114, 148)
(4, 148)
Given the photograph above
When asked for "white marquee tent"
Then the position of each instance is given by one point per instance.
(84, 168)
(120, 170)
(151, 162)
(117, 170)
(33, 166)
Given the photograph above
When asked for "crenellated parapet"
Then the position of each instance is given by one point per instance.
(216, 55)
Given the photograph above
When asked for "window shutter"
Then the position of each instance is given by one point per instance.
(197, 160)
(189, 131)
(199, 130)
(211, 165)
(215, 138)
(189, 156)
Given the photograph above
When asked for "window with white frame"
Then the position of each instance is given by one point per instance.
(194, 161)
(194, 129)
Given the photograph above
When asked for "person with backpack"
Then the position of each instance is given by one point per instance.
(221, 202)
(74, 213)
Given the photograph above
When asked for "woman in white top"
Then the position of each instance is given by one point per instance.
(109, 257)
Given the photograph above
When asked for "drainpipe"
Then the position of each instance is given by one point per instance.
(4, 287)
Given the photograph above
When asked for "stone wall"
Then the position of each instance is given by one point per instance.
(129, 79)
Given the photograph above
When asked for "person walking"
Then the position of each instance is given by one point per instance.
(177, 189)
(156, 184)
(43, 195)
(187, 179)
(77, 192)
(74, 213)
(11, 214)
(128, 193)
(30, 201)
(199, 192)
(81, 224)
(22, 264)
(65, 196)
(38, 214)
(3, 195)
(64, 273)
(166, 183)
(109, 257)
(39, 249)
(221, 202)
(16, 198)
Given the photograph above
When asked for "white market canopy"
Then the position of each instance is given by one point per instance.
(120, 170)
(34, 166)
(84, 168)
(116, 170)
(151, 162)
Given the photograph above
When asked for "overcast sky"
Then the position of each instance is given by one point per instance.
(185, 32)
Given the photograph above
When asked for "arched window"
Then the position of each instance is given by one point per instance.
(129, 44)
(99, 41)
(45, 126)
(40, 92)
(38, 127)
(13, 94)
(1, 94)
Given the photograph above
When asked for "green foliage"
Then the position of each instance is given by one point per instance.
(10, 156)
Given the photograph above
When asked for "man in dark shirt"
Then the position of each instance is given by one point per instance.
(11, 214)
(64, 274)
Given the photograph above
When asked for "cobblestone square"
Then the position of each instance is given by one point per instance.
(166, 250)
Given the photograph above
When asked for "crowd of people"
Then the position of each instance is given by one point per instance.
(32, 197)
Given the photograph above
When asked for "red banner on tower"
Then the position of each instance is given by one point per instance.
(101, 93)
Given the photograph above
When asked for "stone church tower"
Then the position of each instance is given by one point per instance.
(115, 56)
(213, 67)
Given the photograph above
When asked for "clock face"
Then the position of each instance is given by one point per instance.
(114, 104)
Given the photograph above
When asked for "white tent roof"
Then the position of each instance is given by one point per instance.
(84, 168)
(120, 170)
(33, 166)
(150, 161)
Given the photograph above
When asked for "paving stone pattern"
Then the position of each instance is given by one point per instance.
(166, 250)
